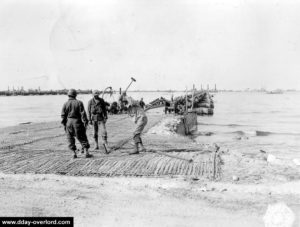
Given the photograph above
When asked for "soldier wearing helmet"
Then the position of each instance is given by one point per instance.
(140, 119)
(97, 116)
(75, 121)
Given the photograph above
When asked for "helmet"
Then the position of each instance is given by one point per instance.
(95, 92)
(72, 92)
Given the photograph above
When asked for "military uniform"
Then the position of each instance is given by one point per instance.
(97, 116)
(140, 118)
(122, 101)
(75, 120)
(142, 104)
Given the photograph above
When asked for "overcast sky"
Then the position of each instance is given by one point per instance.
(164, 44)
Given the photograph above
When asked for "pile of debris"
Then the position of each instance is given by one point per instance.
(159, 102)
(200, 102)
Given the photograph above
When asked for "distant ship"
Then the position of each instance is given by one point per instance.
(277, 91)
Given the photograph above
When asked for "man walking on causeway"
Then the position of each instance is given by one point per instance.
(75, 122)
(97, 116)
(140, 119)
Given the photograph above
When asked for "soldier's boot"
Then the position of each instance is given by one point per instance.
(135, 150)
(75, 155)
(143, 149)
(87, 154)
(105, 145)
(107, 151)
(96, 144)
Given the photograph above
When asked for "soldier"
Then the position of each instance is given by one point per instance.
(75, 122)
(97, 116)
(142, 104)
(123, 102)
(140, 119)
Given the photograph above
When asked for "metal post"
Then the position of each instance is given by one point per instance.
(193, 96)
(186, 108)
(215, 162)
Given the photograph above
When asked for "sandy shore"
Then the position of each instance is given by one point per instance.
(142, 201)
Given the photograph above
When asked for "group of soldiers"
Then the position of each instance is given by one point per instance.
(75, 121)
(121, 106)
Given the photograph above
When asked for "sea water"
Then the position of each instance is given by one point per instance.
(246, 121)
(251, 122)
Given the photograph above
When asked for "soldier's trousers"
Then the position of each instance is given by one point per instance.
(75, 128)
(103, 132)
(141, 123)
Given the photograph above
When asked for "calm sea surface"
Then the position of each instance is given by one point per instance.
(248, 121)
